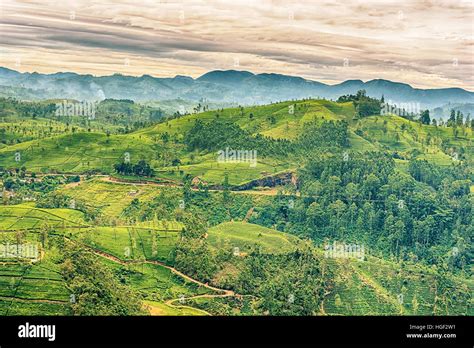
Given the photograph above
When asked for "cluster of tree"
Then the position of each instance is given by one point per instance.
(163, 205)
(361, 199)
(59, 200)
(192, 254)
(425, 117)
(142, 168)
(95, 290)
(213, 208)
(200, 107)
(435, 176)
(128, 113)
(365, 200)
(16, 184)
(325, 134)
(8, 176)
(28, 109)
(117, 112)
(365, 105)
(286, 284)
(456, 119)
(219, 134)
(30, 187)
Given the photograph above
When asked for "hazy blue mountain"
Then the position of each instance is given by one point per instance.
(230, 86)
(443, 112)
(228, 77)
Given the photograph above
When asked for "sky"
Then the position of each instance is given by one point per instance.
(428, 44)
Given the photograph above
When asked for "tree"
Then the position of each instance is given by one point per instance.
(452, 119)
(192, 254)
(425, 117)
(467, 123)
(365, 105)
(226, 190)
(142, 168)
(96, 289)
(459, 118)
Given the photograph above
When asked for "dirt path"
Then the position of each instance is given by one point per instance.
(269, 192)
(28, 300)
(170, 302)
(223, 292)
(172, 269)
(248, 215)
(146, 183)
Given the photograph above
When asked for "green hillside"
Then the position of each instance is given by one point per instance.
(244, 236)
(370, 287)
(164, 146)
(147, 214)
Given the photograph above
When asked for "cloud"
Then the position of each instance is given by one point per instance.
(424, 43)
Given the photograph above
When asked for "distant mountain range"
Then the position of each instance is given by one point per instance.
(241, 87)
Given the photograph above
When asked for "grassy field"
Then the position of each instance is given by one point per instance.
(155, 282)
(370, 287)
(373, 287)
(245, 236)
(405, 136)
(15, 130)
(131, 243)
(37, 288)
(160, 308)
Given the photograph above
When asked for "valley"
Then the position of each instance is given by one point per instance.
(149, 218)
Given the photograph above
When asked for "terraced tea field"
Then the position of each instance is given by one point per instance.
(245, 236)
(28, 217)
(130, 222)
(80, 151)
(377, 287)
(33, 288)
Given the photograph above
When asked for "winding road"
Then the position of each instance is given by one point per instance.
(223, 292)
